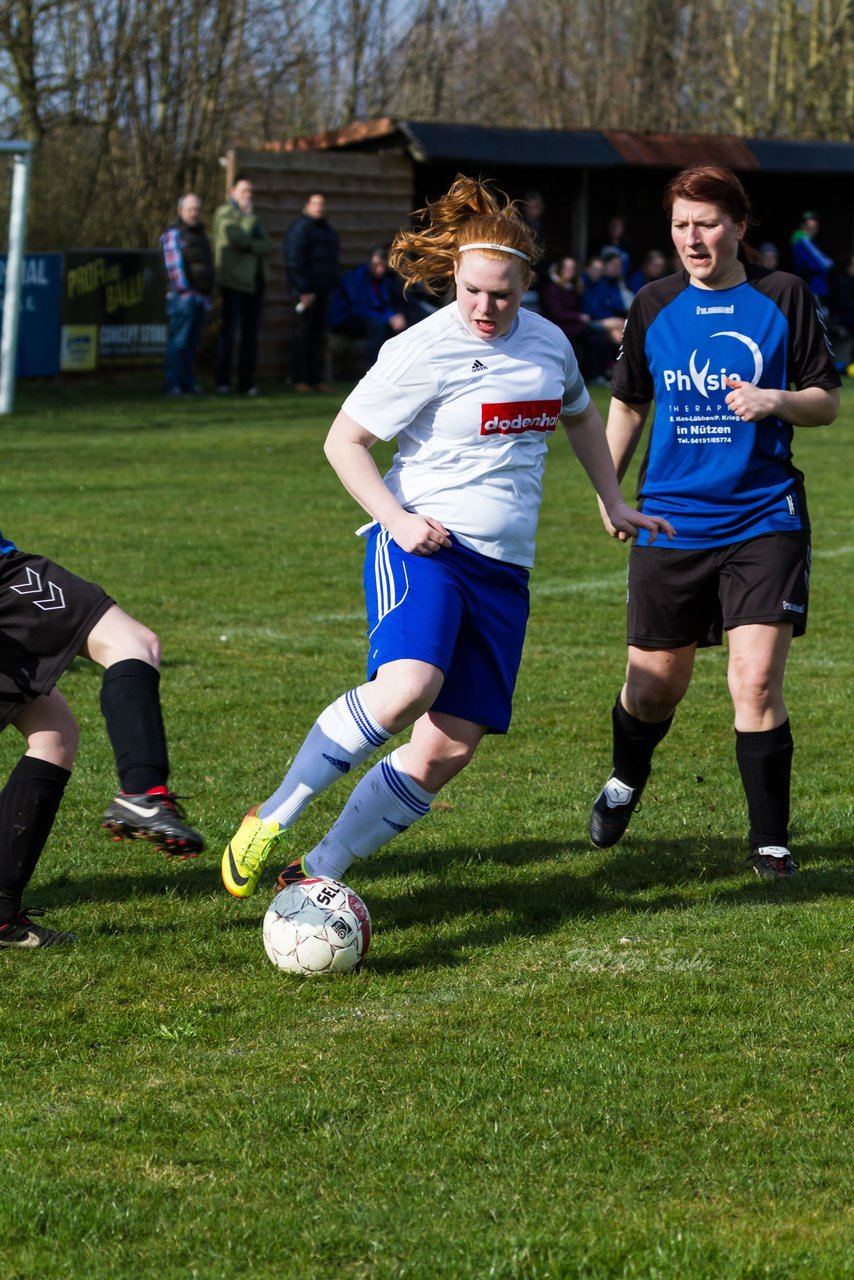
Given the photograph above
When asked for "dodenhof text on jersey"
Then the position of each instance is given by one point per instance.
(520, 415)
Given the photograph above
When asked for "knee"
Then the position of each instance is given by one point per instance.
(401, 696)
(139, 643)
(56, 740)
(433, 769)
(152, 647)
(650, 700)
(118, 637)
(69, 741)
(752, 690)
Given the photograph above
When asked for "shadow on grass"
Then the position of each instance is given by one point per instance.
(487, 893)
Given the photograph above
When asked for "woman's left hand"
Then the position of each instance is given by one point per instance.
(623, 522)
(750, 403)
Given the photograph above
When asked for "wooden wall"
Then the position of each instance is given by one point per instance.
(368, 198)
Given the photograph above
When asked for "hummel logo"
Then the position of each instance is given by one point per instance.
(343, 766)
(33, 586)
(478, 367)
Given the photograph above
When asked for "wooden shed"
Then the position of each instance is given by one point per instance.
(369, 197)
(375, 172)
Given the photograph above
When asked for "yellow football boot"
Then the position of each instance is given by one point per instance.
(246, 854)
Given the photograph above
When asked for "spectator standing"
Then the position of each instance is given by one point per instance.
(188, 260)
(368, 303)
(615, 238)
(809, 262)
(533, 210)
(719, 463)
(311, 262)
(241, 249)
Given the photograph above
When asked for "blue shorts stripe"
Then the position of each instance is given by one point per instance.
(456, 610)
(399, 789)
(357, 711)
(386, 586)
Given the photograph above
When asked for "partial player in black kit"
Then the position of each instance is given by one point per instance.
(48, 617)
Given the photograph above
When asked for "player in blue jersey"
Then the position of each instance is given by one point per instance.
(732, 355)
(48, 617)
(471, 395)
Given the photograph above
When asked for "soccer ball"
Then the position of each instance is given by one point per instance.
(317, 926)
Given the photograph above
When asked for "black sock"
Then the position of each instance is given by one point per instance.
(28, 806)
(765, 764)
(130, 703)
(634, 743)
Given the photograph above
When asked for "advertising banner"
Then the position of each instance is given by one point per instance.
(38, 335)
(113, 308)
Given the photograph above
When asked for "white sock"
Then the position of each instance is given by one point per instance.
(384, 803)
(342, 737)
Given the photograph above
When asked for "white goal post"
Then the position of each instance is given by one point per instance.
(14, 270)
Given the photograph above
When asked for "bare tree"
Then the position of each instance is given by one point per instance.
(129, 102)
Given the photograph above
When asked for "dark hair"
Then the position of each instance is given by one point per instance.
(314, 192)
(718, 185)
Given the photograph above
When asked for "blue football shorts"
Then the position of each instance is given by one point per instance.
(458, 610)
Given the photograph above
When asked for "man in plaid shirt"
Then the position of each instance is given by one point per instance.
(188, 259)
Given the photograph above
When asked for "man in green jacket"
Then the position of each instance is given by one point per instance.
(241, 248)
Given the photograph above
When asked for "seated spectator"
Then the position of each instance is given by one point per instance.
(769, 256)
(560, 302)
(653, 267)
(606, 296)
(368, 303)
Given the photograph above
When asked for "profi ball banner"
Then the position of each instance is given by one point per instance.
(113, 308)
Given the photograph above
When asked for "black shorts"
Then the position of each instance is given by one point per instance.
(677, 598)
(46, 613)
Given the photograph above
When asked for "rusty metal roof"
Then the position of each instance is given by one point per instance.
(678, 150)
(577, 148)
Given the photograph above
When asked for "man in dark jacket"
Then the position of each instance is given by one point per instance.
(311, 263)
(189, 264)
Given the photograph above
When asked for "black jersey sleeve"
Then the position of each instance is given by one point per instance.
(810, 357)
(633, 382)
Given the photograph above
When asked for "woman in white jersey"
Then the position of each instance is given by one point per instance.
(471, 394)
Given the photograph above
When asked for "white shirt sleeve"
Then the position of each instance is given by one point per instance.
(392, 393)
(576, 396)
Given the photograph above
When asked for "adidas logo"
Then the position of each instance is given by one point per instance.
(342, 766)
(395, 826)
(478, 367)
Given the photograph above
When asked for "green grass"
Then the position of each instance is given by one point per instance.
(557, 1062)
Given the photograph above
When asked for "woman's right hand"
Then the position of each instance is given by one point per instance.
(420, 535)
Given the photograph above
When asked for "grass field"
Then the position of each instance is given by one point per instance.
(557, 1062)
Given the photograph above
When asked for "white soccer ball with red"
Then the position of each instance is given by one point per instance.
(317, 926)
